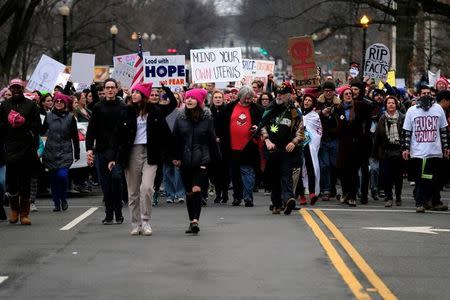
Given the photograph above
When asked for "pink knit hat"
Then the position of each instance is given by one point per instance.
(144, 88)
(197, 94)
(443, 80)
(60, 96)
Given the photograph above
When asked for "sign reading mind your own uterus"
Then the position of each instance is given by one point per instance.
(216, 65)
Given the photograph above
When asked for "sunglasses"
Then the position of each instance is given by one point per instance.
(346, 94)
(59, 101)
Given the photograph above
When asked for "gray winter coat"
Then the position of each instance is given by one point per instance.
(61, 131)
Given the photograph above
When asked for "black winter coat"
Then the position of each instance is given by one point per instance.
(195, 141)
(21, 143)
(382, 149)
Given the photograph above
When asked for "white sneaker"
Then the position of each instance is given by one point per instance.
(169, 200)
(136, 230)
(33, 207)
(146, 229)
(180, 200)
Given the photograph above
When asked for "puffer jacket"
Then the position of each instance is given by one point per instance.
(196, 143)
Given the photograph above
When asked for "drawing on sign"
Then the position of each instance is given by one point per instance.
(302, 51)
(47, 73)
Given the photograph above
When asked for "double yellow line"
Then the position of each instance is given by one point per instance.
(350, 279)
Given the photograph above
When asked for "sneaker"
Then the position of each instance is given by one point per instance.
(302, 200)
(381, 194)
(412, 183)
(195, 228)
(388, 203)
(420, 209)
(136, 230)
(249, 204)
(146, 229)
(106, 221)
(189, 230)
(180, 200)
(439, 207)
(313, 198)
(33, 207)
(352, 202)
(236, 202)
(169, 200)
(290, 205)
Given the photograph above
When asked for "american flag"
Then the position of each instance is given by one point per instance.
(138, 64)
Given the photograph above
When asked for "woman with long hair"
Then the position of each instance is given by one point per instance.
(196, 147)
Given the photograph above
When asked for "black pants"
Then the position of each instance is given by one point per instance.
(282, 166)
(349, 179)
(220, 178)
(194, 176)
(18, 179)
(391, 170)
(363, 166)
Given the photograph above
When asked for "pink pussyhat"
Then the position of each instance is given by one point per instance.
(197, 94)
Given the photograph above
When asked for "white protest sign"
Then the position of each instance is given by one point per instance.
(128, 59)
(82, 67)
(123, 73)
(216, 65)
(377, 61)
(433, 77)
(257, 70)
(169, 68)
(62, 79)
(400, 83)
(45, 76)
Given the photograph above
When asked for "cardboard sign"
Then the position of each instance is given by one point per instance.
(301, 52)
(82, 67)
(45, 76)
(216, 65)
(377, 61)
(168, 68)
(390, 79)
(257, 70)
(123, 73)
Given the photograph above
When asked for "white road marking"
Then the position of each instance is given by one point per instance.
(3, 279)
(77, 220)
(416, 229)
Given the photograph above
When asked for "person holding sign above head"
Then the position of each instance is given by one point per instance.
(196, 147)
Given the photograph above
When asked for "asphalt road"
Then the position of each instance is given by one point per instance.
(240, 253)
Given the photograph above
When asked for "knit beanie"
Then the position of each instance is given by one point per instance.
(60, 96)
(144, 88)
(197, 94)
(329, 85)
(443, 80)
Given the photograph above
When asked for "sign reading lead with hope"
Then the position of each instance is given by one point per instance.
(377, 61)
(168, 68)
(216, 65)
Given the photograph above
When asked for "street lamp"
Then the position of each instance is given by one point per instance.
(364, 21)
(114, 30)
(64, 11)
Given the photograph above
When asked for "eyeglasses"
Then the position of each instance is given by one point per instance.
(348, 94)
(59, 101)
(265, 99)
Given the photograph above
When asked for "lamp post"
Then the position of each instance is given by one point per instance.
(114, 30)
(364, 21)
(64, 11)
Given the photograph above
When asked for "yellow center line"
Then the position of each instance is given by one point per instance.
(349, 278)
(373, 278)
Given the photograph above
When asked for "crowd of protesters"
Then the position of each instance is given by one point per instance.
(295, 143)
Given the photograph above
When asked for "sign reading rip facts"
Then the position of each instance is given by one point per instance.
(216, 65)
(168, 68)
(377, 61)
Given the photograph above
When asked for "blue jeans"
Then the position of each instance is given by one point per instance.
(248, 180)
(59, 183)
(374, 170)
(112, 185)
(173, 184)
(243, 179)
(327, 163)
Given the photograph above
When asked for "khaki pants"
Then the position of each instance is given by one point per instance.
(140, 178)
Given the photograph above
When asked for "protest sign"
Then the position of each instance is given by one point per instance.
(45, 76)
(433, 77)
(168, 68)
(301, 52)
(62, 79)
(400, 83)
(377, 61)
(390, 79)
(82, 67)
(128, 59)
(354, 69)
(123, 73)
(257, 70)
(216, 65)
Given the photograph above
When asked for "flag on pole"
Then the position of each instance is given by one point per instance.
(138, 64)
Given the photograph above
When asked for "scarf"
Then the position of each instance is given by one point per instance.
(391, 128)
(347, 109)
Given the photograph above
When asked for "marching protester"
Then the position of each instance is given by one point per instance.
(108, 117)
(241, 120)
(387, 150)
(425, 143)
(282, 129)
(310, 167)
(196, 147)
(62, 147)
(19, 124)
(326, 108)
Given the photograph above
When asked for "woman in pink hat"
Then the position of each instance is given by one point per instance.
(196, 146)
